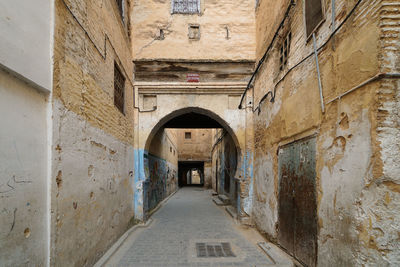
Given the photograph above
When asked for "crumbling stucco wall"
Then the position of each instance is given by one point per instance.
(356, 164)
(92, 197)
(226, 31)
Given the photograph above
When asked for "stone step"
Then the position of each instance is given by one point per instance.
(218, 201)
(277, 255)
(224, 199)
(231, 211)
(246, 220)
(213, 193)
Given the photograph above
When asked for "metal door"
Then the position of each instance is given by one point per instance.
(297, 200)
(286, 198)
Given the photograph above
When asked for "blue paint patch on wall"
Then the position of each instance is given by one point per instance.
(140, 177)
(154, 180)
(247, 168)
(163, 181)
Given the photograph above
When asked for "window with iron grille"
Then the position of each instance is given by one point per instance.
(185, 6)
(119, 88)
(120, 4)
(314, 15)
(188, 135)
(284, 52)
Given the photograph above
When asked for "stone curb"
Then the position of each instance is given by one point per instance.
(105, 258)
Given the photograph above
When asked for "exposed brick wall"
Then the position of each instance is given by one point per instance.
(92, 192)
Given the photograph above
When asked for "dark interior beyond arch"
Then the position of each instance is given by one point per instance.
(193, 120)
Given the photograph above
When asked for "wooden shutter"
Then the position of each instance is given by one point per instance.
(313, 15)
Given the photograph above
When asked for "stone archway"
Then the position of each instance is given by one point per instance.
(141, 159)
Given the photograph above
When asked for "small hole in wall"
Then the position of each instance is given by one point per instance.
(91, 195)
(59, 179)
(27, 232)
(227, 33)
(160, 35)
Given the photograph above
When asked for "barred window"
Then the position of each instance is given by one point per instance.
(185, 6)
(119, 88)
(314, 15)
(284, 51)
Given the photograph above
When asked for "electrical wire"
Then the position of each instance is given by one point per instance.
(273, 92)
(292, 3)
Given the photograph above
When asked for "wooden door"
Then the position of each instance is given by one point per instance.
(298, 200)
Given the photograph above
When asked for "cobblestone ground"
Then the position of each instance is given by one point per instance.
(189, 217)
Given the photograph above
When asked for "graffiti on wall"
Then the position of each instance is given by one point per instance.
(163, 181)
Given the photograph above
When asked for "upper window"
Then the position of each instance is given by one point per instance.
(185, 6)
(194, 32)
(313, 15)
(284, 52)
(188, 135)
(120, 4)
(119, 88)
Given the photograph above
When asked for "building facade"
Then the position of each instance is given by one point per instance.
(325, 103)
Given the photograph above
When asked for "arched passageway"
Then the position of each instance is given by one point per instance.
(215, 154)
(185, 173)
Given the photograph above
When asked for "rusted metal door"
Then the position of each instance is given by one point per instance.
(297, 200)
(286, 197)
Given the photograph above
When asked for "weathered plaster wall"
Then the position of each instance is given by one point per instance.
(163, 168)
(216, 19)
(379, 221)
(357, 188)
(93, 153)
(23, 173)
(198, 147)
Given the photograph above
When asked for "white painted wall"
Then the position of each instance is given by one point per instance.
(25, 43)
(26, 48)
(23, 173)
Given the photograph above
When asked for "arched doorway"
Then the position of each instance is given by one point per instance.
(163, 174)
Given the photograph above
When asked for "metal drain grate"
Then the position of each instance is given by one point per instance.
(214, 250)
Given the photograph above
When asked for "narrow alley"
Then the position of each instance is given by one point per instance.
(187, 219)
(199, 133)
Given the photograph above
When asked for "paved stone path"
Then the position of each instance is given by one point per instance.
(189, 217)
